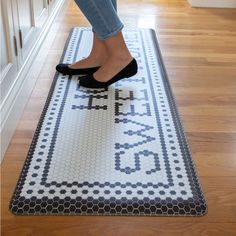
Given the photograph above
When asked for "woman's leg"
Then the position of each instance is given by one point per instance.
(118, 58)
(105, 22)
(102, 16)
(114, 3)
(98, 54)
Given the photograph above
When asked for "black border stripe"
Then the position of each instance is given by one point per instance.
(27, 162)
(156, 109)
(191, 169)
(55, 132)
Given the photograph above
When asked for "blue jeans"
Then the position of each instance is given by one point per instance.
(102, 15)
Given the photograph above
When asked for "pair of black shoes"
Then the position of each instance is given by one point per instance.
(89, 81)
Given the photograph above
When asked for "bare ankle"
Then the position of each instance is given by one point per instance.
(123, 58)
(99, 58)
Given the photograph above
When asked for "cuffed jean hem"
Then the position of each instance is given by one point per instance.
(102, 16)
(113, 33)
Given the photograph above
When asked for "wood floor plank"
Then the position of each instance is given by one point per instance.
(122, 227)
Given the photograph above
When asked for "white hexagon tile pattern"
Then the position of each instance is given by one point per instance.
(114, 151)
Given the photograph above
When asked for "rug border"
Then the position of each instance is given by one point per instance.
(180, 125)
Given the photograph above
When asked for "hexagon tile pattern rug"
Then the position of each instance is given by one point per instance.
(114, 151)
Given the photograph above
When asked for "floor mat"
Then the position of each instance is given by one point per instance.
(114, 151)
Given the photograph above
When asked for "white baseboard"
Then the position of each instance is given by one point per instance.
(14, 104)
(213, 3)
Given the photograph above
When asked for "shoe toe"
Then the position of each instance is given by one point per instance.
(62, 68)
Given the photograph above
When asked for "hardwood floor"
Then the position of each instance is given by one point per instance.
(199, 50)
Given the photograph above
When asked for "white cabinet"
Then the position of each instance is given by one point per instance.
(23, 26)
(9, 50)
(21, 20)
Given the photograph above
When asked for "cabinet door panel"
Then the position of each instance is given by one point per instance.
(40, 12)
(38, 7)
(24, 11)
(25, 16)
(8, 59)
(52, 4)
(4, 53)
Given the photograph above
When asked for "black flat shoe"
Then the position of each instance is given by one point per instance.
(89, 81)
(66, 70)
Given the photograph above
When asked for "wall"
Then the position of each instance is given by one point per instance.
(213, 3)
